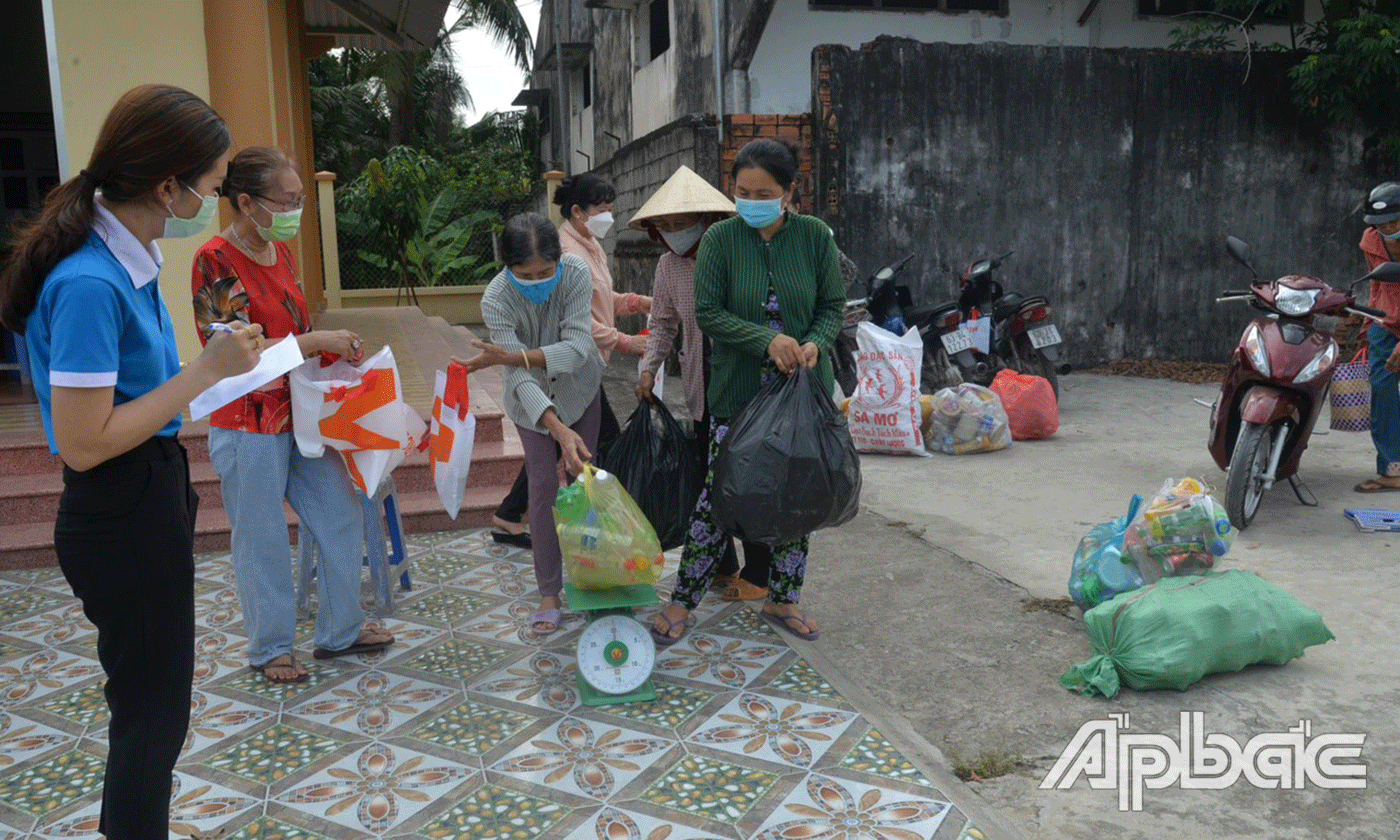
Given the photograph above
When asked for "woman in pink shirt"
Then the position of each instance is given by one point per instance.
(585, 201)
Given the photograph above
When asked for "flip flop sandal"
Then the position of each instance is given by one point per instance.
(516, 540)
(722, 582)
(664, 638)
(782, 621)
(546, 617)
(357, 647)
(1370, 485)
(742, 590)
(299, 678)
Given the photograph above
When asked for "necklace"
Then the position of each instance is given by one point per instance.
(233, 228)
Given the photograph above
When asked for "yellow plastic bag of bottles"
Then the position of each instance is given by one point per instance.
(605, 538)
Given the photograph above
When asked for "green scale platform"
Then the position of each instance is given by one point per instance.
(615, 651)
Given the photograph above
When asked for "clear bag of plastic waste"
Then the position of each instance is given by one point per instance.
(1100, 569)
(604, 537)
(968, 418)
(1181, 532)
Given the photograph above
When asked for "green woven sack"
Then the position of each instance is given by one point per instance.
(1175, 631)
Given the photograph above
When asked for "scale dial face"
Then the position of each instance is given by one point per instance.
(615, 654)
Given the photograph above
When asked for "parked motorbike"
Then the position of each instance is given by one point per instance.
(891, 305)
(1278, 380)
(1020, 335)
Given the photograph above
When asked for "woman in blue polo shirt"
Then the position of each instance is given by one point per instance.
(80, 284)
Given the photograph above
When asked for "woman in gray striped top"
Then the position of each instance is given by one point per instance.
(541, 333)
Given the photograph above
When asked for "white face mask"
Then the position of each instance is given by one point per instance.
(600, 224)
(681, 241)
(178, 228)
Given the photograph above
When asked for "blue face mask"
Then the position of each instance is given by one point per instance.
(536, 291)
(759, 214)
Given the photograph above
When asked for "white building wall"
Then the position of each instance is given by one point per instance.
(653, 94)
(780, 76)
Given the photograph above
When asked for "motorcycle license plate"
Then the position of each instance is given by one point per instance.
(1044, 336)
(957, 341)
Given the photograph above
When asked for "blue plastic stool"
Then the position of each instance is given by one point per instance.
(377, 558)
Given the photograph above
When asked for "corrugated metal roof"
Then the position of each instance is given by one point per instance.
(377, 24)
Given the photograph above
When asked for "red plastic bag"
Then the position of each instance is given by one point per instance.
(1030, 404)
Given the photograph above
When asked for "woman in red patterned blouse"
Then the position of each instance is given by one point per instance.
(247, 274)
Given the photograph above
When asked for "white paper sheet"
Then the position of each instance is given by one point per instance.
(274, 362)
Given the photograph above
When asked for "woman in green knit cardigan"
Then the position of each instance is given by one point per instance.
(769, 296)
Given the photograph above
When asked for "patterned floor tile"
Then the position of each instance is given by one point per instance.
(472, 727)
(457, 659)
(218, 609)
(374, 703)
(215, 719)
(377, 787)
(801, 678)
(713, 789)
(791, 733)
(273, 754)
(444, 606)
(218, 654)
(22, 739)
(53, 627)
(513, 623)
(85, 706)
(874, 754)
(718, 660)
(544, 680)
(826, 807)
(502, 577)
(42, 673)
(56, 783)
(584, 758)
(22, 603)
(200, 806)
(616, 824)
(494, 813)
(674, 707)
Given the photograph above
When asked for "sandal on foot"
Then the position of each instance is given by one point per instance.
(723, 582)
(550, 617)
(742, 590)
(785, 622)
(664, 637)
(299, 676)
(360, 646)
(1372, 485)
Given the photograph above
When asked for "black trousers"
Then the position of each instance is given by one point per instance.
(125, 541)
(517, 501)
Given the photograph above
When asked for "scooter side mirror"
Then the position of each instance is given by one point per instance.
(1386, 272)
(884, 274)
(1239, 251)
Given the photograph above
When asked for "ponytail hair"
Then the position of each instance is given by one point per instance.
(585, 191)
(152, 133)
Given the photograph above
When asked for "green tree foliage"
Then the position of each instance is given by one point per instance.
(1348, 66)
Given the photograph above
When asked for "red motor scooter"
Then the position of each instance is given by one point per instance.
(1278, 381)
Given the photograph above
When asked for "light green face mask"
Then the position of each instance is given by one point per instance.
(177, 227)
(285, 224)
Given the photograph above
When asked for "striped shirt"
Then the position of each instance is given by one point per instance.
(561, 327)
(673, 311)
(735, 269)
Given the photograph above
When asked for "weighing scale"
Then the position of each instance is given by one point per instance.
(615, 651)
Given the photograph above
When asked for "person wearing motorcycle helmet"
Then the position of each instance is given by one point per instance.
(1381, 243)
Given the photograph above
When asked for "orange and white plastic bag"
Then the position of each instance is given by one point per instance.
(357, 410)
(453, 436)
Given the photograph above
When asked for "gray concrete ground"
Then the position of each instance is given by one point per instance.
(924, 598)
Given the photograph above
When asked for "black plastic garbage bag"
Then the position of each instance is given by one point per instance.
(787, 466)
(656, 463)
